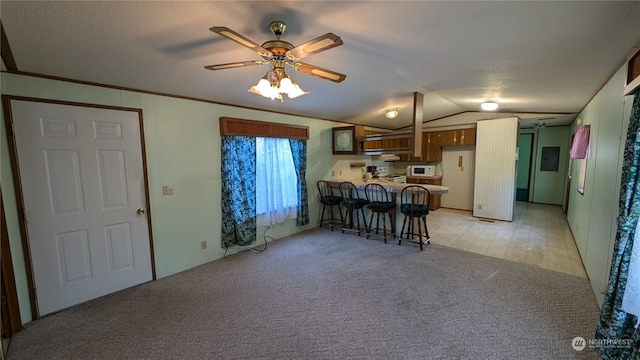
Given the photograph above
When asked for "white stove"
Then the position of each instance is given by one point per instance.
(383, 173)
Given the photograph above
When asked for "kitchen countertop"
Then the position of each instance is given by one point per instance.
(390, 186)
(435, 177)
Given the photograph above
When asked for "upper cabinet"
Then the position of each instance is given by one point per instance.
(356, 140)
(431, 147)
(457, 137)
(466, 136)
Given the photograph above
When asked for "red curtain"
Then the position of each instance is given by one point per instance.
(580, 142)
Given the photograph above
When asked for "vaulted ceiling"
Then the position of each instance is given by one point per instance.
(538, 59)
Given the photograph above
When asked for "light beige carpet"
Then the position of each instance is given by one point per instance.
(324, 295)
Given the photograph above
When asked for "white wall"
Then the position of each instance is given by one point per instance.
(182, 143)
(550, 186)
(495, 171)
(592, 215)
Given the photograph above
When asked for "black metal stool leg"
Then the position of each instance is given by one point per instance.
(369, 229)
(420, 233)
(384, 227)
(404, 223)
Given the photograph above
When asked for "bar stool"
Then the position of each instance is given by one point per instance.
(414, 204)
(352, 202)
(380, 203)
(327, 198)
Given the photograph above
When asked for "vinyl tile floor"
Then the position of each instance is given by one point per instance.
(539, 235)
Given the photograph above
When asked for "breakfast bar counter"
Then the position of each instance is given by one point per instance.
(394, 189)
(391, 186)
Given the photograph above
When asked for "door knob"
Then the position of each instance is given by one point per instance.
(140, 211)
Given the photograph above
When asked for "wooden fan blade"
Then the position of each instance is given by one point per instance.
(319, 72)
(234, 65)
(242, 40)
(321, 43)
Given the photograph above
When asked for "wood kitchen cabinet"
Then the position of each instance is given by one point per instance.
(375, 142)
(466, 136)
(431, 147)
(404, 143)
(432, 143)
(457, 137)
(406, 157)
(447, 137)
(434, 200)
(369, 144)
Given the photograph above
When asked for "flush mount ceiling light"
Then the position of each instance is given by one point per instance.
(275, 83)
(489, 105)
(391, 113)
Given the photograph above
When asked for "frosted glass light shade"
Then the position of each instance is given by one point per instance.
(267, 88)
(286, 85)
(297, 91)
(489, 105)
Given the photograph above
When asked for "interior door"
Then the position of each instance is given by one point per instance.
(84, 193)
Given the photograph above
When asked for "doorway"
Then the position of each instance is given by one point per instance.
(525, 156)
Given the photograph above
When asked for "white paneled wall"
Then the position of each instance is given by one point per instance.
(495, 175)
(458, 169)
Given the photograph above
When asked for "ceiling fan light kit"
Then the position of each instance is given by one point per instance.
(275, 83)
(391, 113)
(489, 105)
(279, 53)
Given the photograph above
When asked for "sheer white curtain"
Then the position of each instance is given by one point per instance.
(276, 195)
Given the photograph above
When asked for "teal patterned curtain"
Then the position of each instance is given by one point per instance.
(238, 190)
(616, 335)
(299, 152)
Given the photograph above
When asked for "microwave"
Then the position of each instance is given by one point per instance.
(421, 170)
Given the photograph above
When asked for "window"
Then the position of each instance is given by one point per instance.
(276, 181)
(582, 174)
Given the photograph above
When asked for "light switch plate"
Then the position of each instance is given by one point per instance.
(167, 190)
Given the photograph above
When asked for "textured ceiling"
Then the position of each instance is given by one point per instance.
(540, 57)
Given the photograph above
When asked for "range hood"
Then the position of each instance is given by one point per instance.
(389, 157)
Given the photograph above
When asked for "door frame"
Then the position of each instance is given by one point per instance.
(11, 321)
(13, 152)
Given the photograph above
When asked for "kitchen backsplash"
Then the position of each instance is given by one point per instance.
(342, 169)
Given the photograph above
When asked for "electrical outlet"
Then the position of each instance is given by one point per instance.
(479, 206)
(203, 244)
(167, 190)
(333, 173)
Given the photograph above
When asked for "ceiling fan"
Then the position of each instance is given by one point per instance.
(278, 53)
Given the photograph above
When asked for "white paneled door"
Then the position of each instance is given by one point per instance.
(84, 194)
